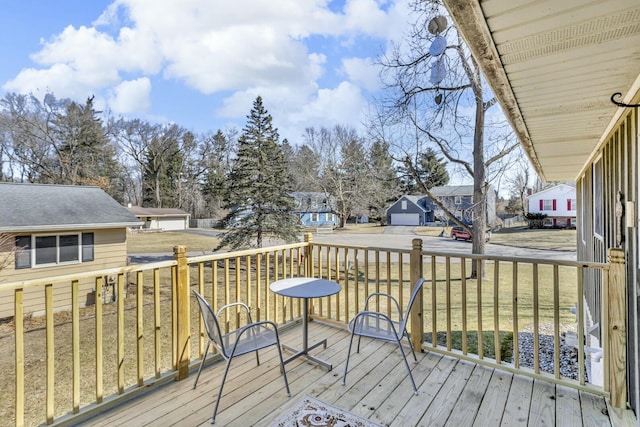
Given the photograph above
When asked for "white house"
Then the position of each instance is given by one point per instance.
(558, 203)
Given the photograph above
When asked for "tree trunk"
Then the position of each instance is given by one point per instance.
(479, 188)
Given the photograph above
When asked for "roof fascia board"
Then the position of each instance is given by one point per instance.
(66, 227)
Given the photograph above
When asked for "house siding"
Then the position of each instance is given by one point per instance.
(562, 211)
(412, 208)
(616, 167)
(110, 251)
(322, 220)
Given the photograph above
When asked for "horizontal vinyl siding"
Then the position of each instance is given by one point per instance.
(110, 250)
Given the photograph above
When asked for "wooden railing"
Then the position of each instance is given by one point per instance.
(86, 360)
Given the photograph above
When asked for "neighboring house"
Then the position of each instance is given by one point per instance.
(166, 219)
(421, 210)
(555, 68)
(313, 209)
(410, 210)
(558, 203)
(59, 230)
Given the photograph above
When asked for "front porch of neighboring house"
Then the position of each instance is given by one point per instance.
(116, 364)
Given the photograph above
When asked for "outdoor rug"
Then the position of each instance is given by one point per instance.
(311, 412)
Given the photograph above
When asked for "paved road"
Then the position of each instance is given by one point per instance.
(398, 240)
(397, 237)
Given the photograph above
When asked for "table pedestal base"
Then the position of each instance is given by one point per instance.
(305, 353)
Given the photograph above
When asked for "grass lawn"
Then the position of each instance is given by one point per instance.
(536, 238)
(564, 240)
(369, 228)
(157, 242)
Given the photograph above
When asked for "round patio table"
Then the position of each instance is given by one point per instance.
(306, 288)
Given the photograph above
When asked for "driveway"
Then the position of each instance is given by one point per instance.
(399, 230)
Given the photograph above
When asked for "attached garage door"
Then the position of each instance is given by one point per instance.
(405, 219)
(172, 223)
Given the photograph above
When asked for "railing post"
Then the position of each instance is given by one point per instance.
(308, 254)
(183, 313)
(617, 328)
(415, 273)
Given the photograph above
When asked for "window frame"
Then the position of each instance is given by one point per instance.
(547, 204)
(84, 249)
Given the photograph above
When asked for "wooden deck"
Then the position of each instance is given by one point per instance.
(451, 392)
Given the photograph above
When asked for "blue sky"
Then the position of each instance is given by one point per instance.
(201, 63)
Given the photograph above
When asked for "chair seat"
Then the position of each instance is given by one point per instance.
(374, 325)
(257, 337)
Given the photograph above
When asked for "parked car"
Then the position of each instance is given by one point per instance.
(459, 233)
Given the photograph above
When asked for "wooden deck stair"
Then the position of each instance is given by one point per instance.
(451, 392)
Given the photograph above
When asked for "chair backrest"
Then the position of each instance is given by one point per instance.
(211, 324)
(414, 294)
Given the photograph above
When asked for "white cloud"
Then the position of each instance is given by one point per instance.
(238, 48)
(131, 96)
(362, 71)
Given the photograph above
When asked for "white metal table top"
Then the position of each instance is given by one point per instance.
(305, 287)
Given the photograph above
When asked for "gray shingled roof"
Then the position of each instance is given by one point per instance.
(452, 190)
(140, 211)
(37, 207)
(312, 201)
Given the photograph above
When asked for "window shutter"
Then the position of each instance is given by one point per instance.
(541, 204)
(554, 204)
(568, 204)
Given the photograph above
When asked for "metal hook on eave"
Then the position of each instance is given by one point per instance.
(622, 104)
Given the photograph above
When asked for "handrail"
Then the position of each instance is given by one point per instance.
(452, 303)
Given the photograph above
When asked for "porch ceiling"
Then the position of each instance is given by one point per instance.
(553, 66)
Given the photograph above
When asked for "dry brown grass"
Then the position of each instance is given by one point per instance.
(163, 242)
(368, 228)
(536, 238)
(519, 237)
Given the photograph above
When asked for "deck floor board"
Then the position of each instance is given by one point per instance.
(451, 392)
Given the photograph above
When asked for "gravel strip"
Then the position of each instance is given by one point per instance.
(568, 354)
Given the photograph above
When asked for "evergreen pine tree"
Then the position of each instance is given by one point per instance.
(431, 170)
(258, 192)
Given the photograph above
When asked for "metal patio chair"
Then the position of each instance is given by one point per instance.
(246, 339)
(378, 325)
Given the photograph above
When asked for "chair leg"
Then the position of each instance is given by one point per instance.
(224, 377)
(407, 365)
(346, 365)
(257, 358)
(204, 356)
(411, 347)
(284, 373)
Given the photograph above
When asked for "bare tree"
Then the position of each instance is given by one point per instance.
(520, 183)
(57, 142)
(342, 170)
(435, 88)
(157, 152)
(7, 249)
